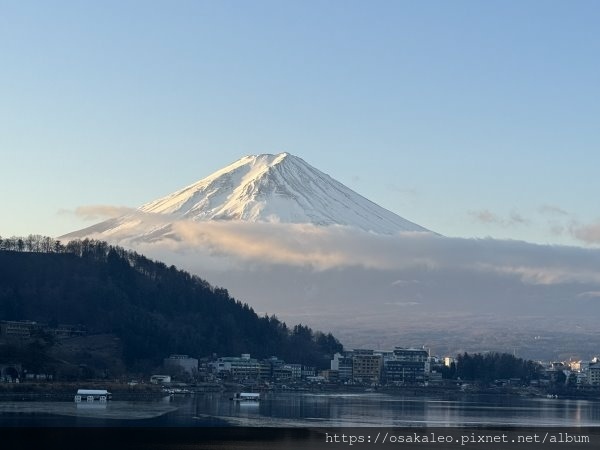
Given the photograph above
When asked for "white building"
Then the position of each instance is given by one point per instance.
(296, 370)
(594, 374)
(92, 395)
(189, 365)
(342, 364)
(238, 367)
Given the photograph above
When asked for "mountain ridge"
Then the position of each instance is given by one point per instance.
(152, 308)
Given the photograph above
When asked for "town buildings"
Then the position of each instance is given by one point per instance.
(407, 366)
(398, 367)
(244, 367)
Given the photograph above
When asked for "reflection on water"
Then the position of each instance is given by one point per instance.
(283, 409)
(91, 405)
(304, 410)
(68, 413)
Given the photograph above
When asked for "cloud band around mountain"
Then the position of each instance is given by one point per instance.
(323, 248)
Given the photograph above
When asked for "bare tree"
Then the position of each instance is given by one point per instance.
(58, 247)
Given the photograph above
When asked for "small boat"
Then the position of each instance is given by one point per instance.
(250, 397)
(177, 391)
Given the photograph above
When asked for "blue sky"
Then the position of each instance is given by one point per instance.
(470, 118)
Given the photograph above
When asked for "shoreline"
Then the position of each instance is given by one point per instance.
(65, 391)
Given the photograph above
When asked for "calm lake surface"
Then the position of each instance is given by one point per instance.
(309, 410)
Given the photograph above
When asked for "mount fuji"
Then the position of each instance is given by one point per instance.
(267, 188)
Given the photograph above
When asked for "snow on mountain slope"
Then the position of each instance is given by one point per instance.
(265, 188)
(280, 188)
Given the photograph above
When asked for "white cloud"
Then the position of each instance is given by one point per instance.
(324, 248)
(487, 217)
(552, 210)
(516, 218)
(590, 234)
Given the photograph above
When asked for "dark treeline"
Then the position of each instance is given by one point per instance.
(492, 366)
(153, 308)
(32, 243)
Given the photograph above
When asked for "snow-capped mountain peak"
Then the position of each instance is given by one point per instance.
(278, 188)
(281, 188)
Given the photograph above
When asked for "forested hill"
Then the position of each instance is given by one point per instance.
(154, 309)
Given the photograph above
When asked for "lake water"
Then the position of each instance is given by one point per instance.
(309, 410)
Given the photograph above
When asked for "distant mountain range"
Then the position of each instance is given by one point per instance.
(260, 188)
